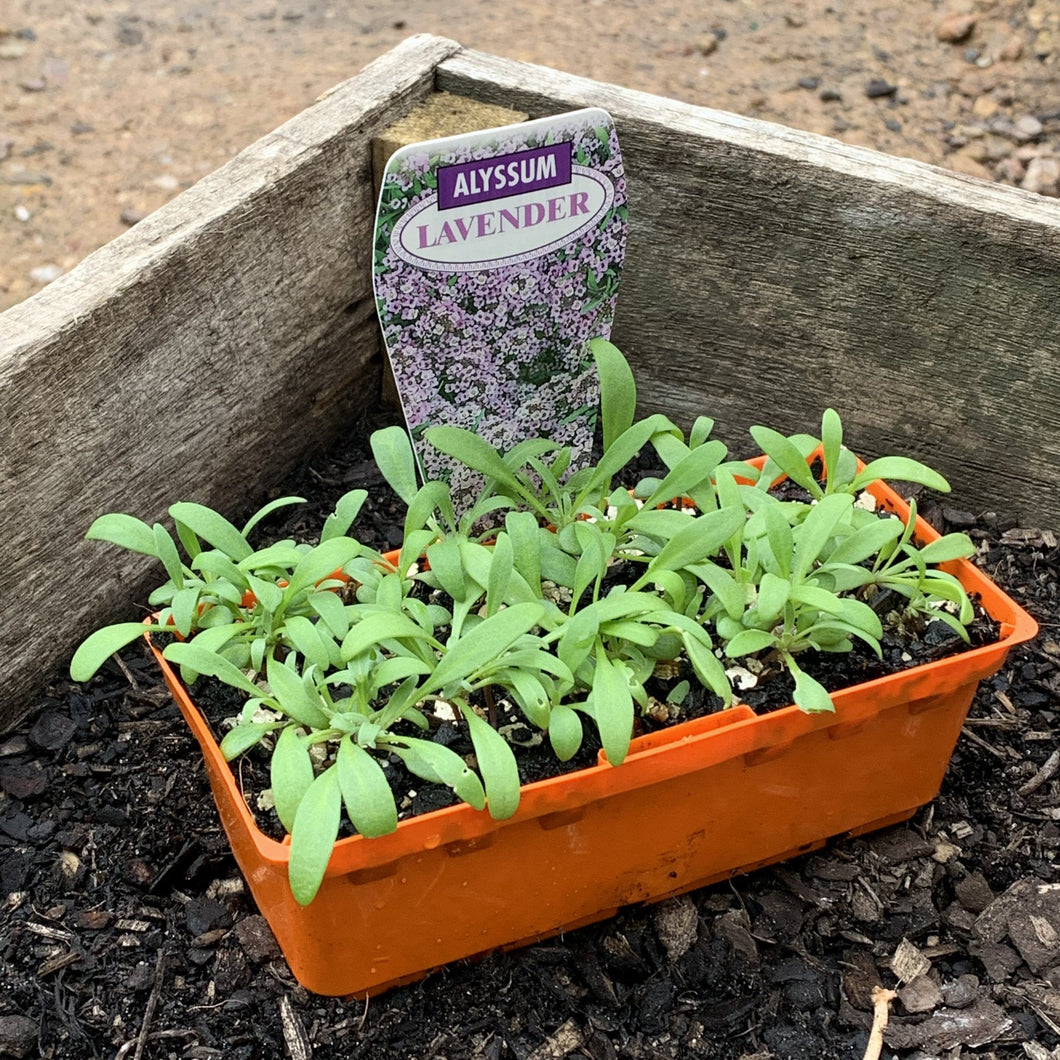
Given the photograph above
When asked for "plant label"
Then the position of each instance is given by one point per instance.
(497, 258)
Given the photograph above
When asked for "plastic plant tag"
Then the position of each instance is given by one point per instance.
(497, 259)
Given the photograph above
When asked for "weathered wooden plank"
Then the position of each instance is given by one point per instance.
(771, 273)
(200, 356)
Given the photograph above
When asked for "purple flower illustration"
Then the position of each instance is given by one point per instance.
(501, 349)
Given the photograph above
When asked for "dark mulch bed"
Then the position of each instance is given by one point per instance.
(127, 932)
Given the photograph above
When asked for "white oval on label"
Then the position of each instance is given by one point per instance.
(502, 231)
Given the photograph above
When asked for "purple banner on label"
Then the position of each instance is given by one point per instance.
(504, 175)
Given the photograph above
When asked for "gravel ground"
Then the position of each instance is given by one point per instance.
(109, 110)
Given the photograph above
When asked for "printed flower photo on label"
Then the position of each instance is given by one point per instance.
(497, 258)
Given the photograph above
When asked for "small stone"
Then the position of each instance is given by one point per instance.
(129, 34)
(961, 992)
(1011, 171)
(22, 214)
(831, 95)
(1027, 128)
(963, 162)
(707, 45)
(131, 217)
(45, 273)
(988, 149)
(1012, 49)
(971, 55)
(974, 893)
(33, 84)
(18, 1036)
(809, 83)
(878, 88)
(985, 107)
(26, 177)
(921, 995)
(955, 27)
(79, 128)
(167, 182)
(1043, 176)
(12, 49)
(257, 939)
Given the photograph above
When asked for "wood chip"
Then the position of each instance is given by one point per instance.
(93, 919)
(922, 994)
(562, 1043)
(294, 1035)
(676, 924)
(128, 924)
(980, 742)
(48, 932)
(54, 964)
(1047, 771)
(1005, 702)
(908, 962)
(152, 1004)
(944, 851)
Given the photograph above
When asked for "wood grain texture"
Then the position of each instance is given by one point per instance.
(200, 356)
(771, 273)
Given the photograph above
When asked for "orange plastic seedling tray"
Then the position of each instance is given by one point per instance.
(691, 805)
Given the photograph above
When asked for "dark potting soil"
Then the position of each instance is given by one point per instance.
(126, 930)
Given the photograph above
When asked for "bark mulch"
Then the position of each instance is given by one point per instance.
(127, 932)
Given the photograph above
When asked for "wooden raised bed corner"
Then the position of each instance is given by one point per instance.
(769, 273)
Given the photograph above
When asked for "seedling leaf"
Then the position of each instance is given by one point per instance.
(316, 827)
(291, 773)
(365, 790)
